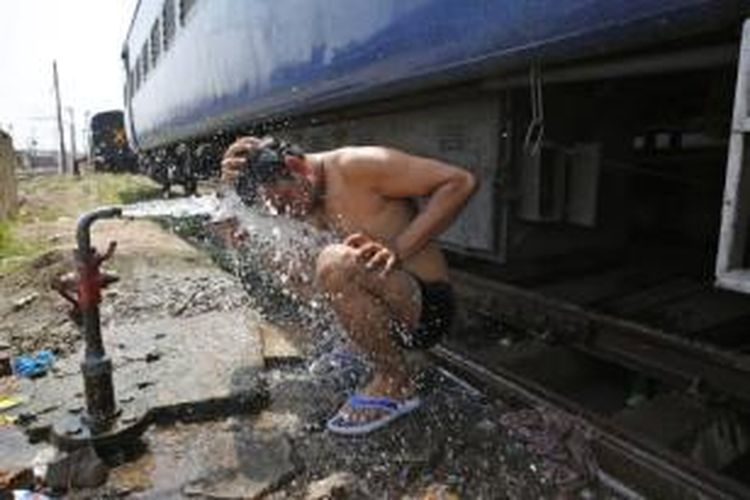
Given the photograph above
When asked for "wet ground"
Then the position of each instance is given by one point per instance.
(459, 444)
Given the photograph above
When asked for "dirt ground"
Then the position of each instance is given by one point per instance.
(32, 315)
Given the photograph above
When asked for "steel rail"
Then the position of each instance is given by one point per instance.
(642, 348)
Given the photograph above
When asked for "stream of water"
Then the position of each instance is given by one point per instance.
(275, 258)
(177, 208)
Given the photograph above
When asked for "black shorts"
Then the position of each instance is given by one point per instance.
(438, 307)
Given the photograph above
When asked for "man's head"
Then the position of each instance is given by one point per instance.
(272, 172)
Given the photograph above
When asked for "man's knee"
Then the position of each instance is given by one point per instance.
(336, 267)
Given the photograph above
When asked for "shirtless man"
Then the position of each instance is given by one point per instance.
(387, 281)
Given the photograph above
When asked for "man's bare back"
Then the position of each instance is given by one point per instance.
(353, 204)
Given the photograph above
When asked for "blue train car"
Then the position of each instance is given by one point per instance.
(197, 66)
(596, 126)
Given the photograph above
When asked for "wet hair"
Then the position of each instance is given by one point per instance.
(265, 165)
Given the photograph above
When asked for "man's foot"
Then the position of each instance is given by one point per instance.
(382, 401)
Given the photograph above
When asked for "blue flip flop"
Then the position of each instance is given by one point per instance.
(393, 408)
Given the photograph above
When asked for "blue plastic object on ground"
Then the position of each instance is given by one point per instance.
(34, 365)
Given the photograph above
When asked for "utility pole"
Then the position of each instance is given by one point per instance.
(62, 166)
(32, 147)
(70, 110)
(87, 135)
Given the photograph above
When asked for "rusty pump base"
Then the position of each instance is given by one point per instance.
(100, 423)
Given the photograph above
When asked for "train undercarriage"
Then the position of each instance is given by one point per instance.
(592, 275)
(603, 294)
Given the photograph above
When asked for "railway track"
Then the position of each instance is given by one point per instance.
(628, 462)
(687, 437)
(644, 348)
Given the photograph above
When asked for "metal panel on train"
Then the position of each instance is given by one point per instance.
(464, 133)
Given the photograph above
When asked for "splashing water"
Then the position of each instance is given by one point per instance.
(275, 261)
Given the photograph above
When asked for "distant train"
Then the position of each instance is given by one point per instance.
(108, 141)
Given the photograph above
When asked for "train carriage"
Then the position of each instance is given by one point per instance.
(599, 130)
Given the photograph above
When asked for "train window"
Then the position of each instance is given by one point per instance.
(137, 76)
(155, 43)
(141, 73)
(144, 61)
(185, 7)
(168, 23)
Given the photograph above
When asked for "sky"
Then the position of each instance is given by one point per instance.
(85, 37)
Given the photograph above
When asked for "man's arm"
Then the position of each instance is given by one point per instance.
(394, 174)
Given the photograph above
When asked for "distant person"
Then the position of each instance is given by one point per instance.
(387, 281)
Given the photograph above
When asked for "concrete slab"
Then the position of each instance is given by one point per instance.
(230, 458)
(269, 467)
(165, 369)
(279, 348)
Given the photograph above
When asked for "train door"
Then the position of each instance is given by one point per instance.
(733, 259)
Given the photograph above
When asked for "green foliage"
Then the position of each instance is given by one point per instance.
(6, 240)
(50, 197)
(13, 250)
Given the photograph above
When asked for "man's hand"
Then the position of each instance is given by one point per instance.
(235, 157)
(374, 254)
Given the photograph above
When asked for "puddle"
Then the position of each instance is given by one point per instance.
(458, 442)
